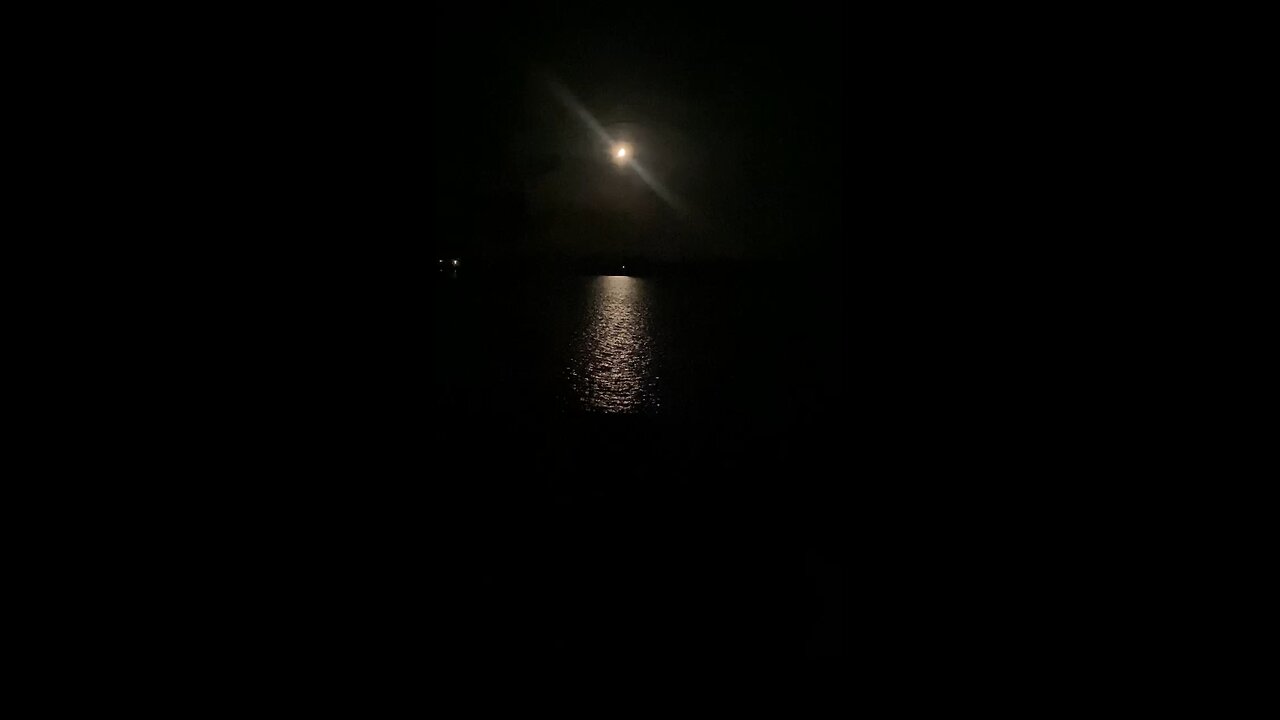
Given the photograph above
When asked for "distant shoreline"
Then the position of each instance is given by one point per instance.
(631, 266)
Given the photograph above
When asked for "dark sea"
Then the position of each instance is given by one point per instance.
(763, 348)
(645, 463)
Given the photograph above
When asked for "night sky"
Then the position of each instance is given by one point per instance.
(741, 117)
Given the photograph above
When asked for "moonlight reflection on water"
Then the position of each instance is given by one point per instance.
(611, 370)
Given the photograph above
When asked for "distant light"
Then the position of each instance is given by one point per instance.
(455, 263)
(622, 152)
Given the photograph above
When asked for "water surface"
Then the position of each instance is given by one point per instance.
(730, 349)
(611, 368)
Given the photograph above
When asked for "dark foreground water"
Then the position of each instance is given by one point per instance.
(645, 464)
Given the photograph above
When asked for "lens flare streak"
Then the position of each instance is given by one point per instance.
(621, 154)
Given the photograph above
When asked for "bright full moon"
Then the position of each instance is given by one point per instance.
(622, 152)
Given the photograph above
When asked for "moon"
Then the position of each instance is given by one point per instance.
(621, 153)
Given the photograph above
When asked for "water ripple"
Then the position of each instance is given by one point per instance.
(611, 370)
